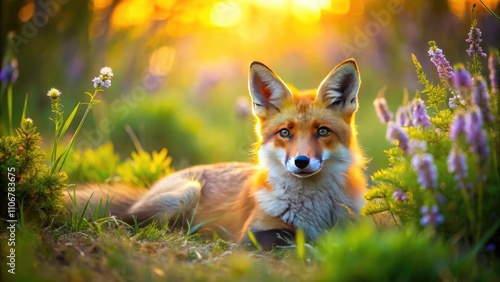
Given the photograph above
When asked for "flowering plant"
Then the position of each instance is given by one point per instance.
(100, 82)
(444, 172)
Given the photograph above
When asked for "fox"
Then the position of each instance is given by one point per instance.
(308, 173)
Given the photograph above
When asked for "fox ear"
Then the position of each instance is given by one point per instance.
(268, 91)
(340, 88)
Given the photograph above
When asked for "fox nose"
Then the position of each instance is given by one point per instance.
(301, 161)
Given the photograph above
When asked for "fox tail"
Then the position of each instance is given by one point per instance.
(103, 200)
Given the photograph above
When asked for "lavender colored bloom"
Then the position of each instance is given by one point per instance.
(462, 80)
(426, 170)
(404, 116)
(473, 123)
(437, 57)
(399, 196)
(97, 81)
(452, 102)
(481, 98)
(382, 110)
(106, 83)
(417, 146)
(9, 72)
(420, 116)
(430, 216)
(396, 134)
(474, 40)
(476, 136)
(479, 146)
(491, 248)
(104, 79)
(457, 126)
(457, 164)
(494, 68)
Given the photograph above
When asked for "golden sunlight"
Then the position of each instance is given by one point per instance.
(132, 12)
(102, 4)
(460, 8)
(225, 14)
(161, 60)
(340, 7)
(307, 11)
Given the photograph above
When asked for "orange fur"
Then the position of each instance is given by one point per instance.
(309, 171)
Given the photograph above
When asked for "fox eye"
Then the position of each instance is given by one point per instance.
(323, 131)
(284, 133)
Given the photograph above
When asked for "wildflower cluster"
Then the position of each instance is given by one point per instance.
(444, 68)
(443, 171)
(104, 79)
(57, 161)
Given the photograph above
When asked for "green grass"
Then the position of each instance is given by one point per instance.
(106, 249)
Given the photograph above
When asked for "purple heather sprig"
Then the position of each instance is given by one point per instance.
(481, 98)
(420, 116)
(404, 116)
(457, 126)
(431, 216)
(494, 68)
(399, 196)
(10, 71)
(462, 81)
(382, 110)
(457, 165)
(437, 57)
(396, 134)
(476, 135)
(473, 122)
(474, 39)
(426, 170)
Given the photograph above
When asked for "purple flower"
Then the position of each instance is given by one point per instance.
(473, 123)
(491, 248)
(396, 134)
(104, 79)
(382, 110)
(479, 146)
(457, 165)
(417, 146)
(10, 71)
(420, 116)
(437, 57)
(481, 98)
(463, 84)
(476, 136)
(426, 170)
(430, 216)
(399, 196)
(474, 40)
(494, 67)
(404, 116)
(457, 126)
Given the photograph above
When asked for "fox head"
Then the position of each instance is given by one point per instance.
(302, 133)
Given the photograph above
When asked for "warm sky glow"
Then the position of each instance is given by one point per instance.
(225, 14)
(132, 12)
(26, 12)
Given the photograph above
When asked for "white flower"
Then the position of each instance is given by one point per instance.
(107, 72)
(54, 93)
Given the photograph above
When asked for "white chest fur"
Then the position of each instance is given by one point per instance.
(312, 204)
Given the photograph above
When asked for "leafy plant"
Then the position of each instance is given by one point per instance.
(143, 169)
(443, 173)
(92, 165)
(25, 176)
